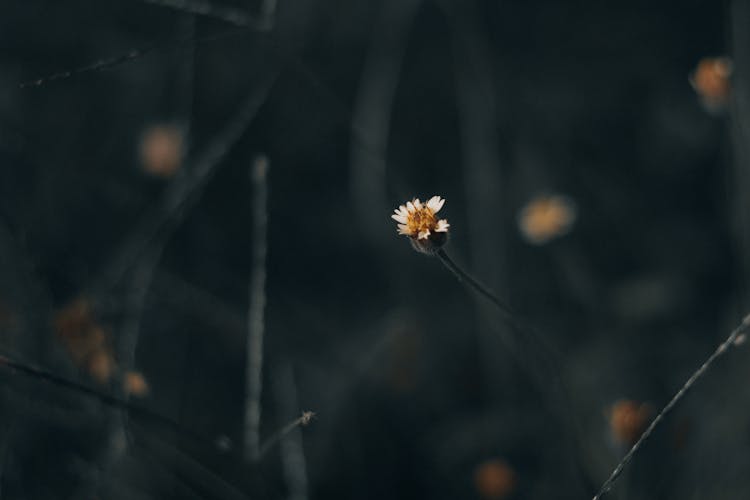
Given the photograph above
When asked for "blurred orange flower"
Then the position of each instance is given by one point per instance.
(86, 342)
(101, 366)
(628, 419)
(711, 81)
(135, 384)
(161, 150)
(546, 217)
(494, 479)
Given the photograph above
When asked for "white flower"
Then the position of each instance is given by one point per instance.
(417, 221)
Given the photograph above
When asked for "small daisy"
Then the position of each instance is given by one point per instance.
(417, 221)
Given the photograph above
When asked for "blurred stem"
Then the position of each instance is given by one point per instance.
(189, 469)
(539, 360)
(38, 373)
(739, 14)
(292, 450)
(256, 309)
(482, 168)
(722, 349)
(371, 116)
(237, 17)
(183, 191)
(229, 15)
(184, 90)
(267, 18)
(142, 274)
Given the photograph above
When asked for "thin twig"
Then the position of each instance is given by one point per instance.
(127, 56)
(127, 343)
(551, 383)
(46, 376)
(192, 471)
(722, 349)
(475, 285)
(230, 15)
(182, 487)
(38, 373)
(302, 421)
(256, 309)
(99, 65)
(134, 304)
(292, 450)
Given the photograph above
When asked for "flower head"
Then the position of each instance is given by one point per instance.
(494, 479)
(546, 217)
(711, 81)
(417, 220)
(87, 342)
(162, 150)
(135, 384)
(628, 419)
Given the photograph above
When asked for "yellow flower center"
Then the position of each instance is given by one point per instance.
(422, 219)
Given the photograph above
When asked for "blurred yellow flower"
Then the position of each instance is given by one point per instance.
(87, 342)
(546, 217)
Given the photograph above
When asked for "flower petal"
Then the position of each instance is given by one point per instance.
(423, 235)
(442, 226)
(434, 204)
(399, 218)
(439, 204)
(410, 206)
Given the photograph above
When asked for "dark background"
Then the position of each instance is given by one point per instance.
(360, 106)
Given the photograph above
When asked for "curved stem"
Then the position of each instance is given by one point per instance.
(545, 367)
(478, 287)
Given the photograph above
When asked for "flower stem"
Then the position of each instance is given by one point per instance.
(722, 349)
(538, 359)
(256, 312)
(35, 372)
(478, 287)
